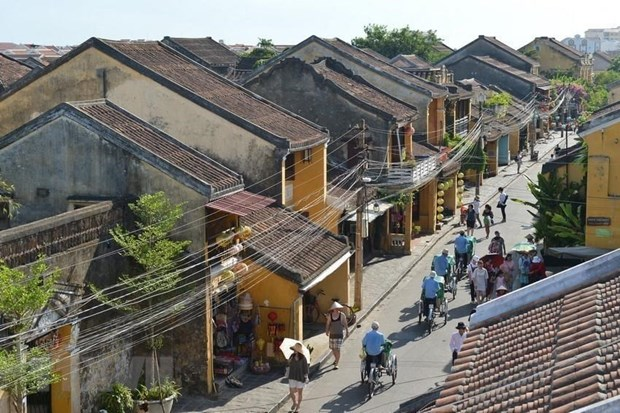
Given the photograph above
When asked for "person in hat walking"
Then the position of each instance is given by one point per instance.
(335, 328)
(502, 201)
(297, 375)
(476, 204)
(457, 339)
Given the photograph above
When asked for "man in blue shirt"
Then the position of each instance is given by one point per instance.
(430, 287)
(441, 265)
(373, 343)
(460, 247)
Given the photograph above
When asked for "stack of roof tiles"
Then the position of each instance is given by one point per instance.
(555, 357)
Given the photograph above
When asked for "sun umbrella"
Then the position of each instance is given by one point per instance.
(495, 260)
(286, 349)
(524, 247)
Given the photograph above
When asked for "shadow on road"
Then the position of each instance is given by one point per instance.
(348, 399)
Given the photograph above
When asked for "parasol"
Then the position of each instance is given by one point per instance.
(286, 345)
(495, 260)
(524, 247)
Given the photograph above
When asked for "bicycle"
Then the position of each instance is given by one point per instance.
(312, 311)
(377, 371)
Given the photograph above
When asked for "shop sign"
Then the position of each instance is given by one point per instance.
(598, 221)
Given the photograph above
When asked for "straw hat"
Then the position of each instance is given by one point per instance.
(335, 306)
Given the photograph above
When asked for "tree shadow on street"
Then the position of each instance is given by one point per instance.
(350, 398)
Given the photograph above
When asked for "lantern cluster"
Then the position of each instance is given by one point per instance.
(460, 188)
(440, 201)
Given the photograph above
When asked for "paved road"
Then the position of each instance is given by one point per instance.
(423, 360)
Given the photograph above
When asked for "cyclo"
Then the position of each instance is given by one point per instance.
(388, 365)
(440, 302)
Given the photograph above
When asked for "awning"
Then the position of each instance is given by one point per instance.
(370, 212)
(326, 272)
(583, 253)
(241, 203)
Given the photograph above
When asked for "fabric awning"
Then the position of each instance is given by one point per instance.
(583, 253)
(241, 203)
(326, 272)
(370, 211)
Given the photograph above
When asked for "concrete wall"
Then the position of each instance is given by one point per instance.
(603, 187)
(86, 166)
(81, 78)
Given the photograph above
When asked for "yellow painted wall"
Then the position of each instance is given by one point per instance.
(193, 125)
(5, 403)
(62, 391)
(491, 150)
(513, 143)
(603, 189)
(436, 122)
(309, 190)
(428, 207)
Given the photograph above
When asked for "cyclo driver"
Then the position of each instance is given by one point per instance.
(460, 248)
(430, 288)
(373, 343)
(441, 265)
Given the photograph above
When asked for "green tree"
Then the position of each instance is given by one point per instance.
(558, 212)
(8, 206)
(23, 295)
(393, 42)
(264, 50)
(155, 253)
(615, 64)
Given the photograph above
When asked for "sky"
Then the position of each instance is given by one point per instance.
(513, 22)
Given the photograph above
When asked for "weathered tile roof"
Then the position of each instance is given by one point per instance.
(277, 235)
(553, 351)
(364, 92)
(249, 109)
(221, 179)
(11, 70)
(405, 61)
(241, 203)
(530, 78)
(376, 55)
(605, 115)
(358, 54)
(506, 48)
(205, 49)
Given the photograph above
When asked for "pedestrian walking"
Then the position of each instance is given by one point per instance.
(476, 204)
(297, 375)
(519, 159)
(470, 271)
(497, 244)
(335, 327)
(501, 203)
(480, 276)
(524, 269)
(457, 339)
(487, 217)
(507, 268)
(470, 220)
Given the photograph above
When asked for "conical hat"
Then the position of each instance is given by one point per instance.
(335, 306)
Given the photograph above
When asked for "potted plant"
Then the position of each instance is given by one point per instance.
(158, 398)
(117, 400)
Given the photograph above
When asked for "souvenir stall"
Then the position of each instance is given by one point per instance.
(274, 327)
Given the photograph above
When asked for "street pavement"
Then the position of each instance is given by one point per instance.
(390, 295)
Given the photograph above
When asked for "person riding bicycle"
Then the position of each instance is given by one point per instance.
(373, 344)
(460, 248)
(430, 288)
(441, 265)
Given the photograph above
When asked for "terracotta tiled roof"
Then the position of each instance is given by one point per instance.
(551, 355)
(249, 109)
(11, 70)
(153, 140)
(205, 48)
(364, 92)
(358, 54)
(291, 245)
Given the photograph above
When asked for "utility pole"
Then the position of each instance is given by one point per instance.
(359, 223)
(480, 98)
(209, 333)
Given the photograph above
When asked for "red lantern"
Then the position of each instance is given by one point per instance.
(272, 316)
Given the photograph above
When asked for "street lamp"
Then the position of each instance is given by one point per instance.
(479, 99)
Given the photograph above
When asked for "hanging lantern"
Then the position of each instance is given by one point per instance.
(227, 276)
(439, 209)
(440, 201)
(244, 232)
(223, 240)
(440, 194)
(439, 217)
(460, 182)
(441, 186)
(460, 175)
(272, 316)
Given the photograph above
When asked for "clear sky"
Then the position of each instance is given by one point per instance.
(514, 22)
